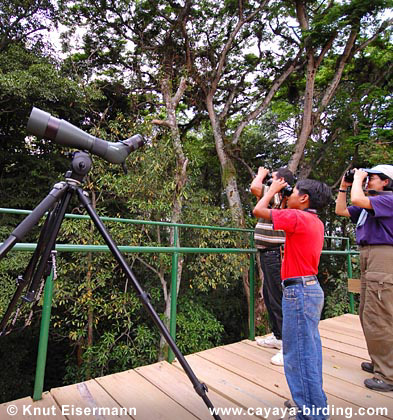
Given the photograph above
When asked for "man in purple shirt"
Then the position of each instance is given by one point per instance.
(372, 211)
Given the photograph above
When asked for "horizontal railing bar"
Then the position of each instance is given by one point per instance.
(335, 237)
(346, 252)
(134, 221)
(159, 249)
(149, 249)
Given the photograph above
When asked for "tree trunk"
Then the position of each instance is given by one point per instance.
(307, 120)
(171, 103)
(228, 171)
(164, 348)
(229, 181)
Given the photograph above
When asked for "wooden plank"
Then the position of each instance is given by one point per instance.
(337, 390)
(342, 324)
(340, 365)
(260, 374)
(336, 364)
(131, 390)
(342, 329)
(87, 399)
(233, 387)
(239, 375)
(27, 409)
(345, 348)
(340, 346)
(343, 338)
(175, 383)
(350, 319)
(347, 368)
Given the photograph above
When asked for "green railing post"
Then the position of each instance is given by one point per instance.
(349, 267)
(172, 321)
(43, 341)
(252, 291)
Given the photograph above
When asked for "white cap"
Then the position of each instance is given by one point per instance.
(381, 169)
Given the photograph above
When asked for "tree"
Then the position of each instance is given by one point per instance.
(217, 88)
(234, 85)
(335, 33)
(25, 21)
(154, 33)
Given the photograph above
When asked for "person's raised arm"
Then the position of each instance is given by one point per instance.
(341, 202)
(261, 210)
(358, 198)
(256, 184)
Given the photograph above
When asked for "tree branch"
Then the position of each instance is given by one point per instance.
(180, 91)
(228, 45)
(163, 123)
(382, 28)
(276, 85)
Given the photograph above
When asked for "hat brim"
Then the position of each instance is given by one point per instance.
(372, 171)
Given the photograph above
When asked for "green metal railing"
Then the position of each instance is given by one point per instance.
(44, 336)
(348, 252)
(175, 251)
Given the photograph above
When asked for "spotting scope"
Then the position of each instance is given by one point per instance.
(43, 125)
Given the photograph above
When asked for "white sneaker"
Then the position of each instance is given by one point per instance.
(270, 341)
(278, 359)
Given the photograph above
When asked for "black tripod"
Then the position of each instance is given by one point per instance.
(56, 204)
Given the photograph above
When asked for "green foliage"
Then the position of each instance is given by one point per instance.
(98, 297)
(27, 79)
(113, 91)
(197, 329)
(10, 268)
(18, 354)
(210, 270)
(114, 353)
(333, 275)
(337, 301)
(356, 129)
(21, 20)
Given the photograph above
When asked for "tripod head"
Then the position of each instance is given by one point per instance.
(42, 124)
(80, 167)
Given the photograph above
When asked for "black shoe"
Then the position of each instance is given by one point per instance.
(290, 404)
(367, 367)
(378, 385)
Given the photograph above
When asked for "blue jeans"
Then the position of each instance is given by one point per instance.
(302, 306)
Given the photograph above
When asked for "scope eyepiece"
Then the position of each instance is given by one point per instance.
(43, 125)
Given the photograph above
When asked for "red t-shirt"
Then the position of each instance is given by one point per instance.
(303, 244)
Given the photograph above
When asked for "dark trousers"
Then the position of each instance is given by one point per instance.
(272, 290)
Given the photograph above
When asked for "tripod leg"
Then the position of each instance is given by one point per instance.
(32, 219)
(53, 230)
(24, 280)
(46, 244)
(198, 386)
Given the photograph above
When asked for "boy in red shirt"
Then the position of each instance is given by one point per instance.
(302, 296)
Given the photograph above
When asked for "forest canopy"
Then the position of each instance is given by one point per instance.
(217, 89)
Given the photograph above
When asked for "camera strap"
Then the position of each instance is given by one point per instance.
(362, 218)
(310, 211)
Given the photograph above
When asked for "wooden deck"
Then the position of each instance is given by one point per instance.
(238, 376)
